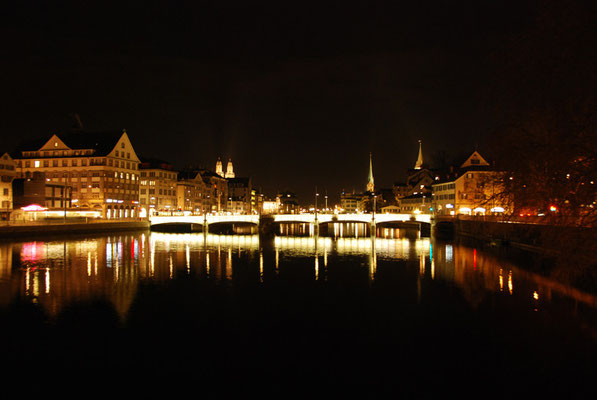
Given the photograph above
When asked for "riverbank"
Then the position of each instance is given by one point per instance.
(56, 228)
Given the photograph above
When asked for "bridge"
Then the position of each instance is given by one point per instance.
(307, 218)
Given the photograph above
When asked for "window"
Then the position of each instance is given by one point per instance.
(36, 163)
(54, 163)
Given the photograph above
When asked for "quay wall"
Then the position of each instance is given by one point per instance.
(534, 237)
(49, 229)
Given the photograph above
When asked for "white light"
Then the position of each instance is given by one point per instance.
(449, 206)
(479, 209)
(497, 209)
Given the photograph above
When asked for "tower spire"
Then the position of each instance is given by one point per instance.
(219, 169)
(229, 169)
(370, 183)
(419, 163)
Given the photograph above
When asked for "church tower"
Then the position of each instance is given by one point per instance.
(370, 183)
(419, 163)
(229, 170)
(219, 169)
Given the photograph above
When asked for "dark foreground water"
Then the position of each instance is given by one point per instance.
(232, 316)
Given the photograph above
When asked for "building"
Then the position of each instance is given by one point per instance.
(216, 190)
(419, 179)
(102, 170)
(229, 169)
(288, 203)
(157, 187)
(7, 175)
(192, 193)
(241, 196)
(419, 203)
(38, 192)
(351, 202)
(370, 181)
(472, 191)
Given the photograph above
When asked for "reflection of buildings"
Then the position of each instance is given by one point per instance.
(58, 273)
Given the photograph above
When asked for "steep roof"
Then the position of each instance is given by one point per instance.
(101, 142)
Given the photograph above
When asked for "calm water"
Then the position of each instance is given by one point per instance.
(230, 315)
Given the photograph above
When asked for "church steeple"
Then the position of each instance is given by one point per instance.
(370, 183)
(219, 169)
(229, 170)
(419, 163)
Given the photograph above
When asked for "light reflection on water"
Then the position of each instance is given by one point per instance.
(55, 273)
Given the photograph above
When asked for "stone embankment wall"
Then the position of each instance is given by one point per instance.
(532, 237)
(13, 231)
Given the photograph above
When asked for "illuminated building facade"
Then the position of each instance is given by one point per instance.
(102, 170)
(351, 202)
(37, 190)
(241, 197)
(416, 204)
(472, 192)
(192, 193)
(157, 187)
(217, 190)
(287, 203)
(7, 175)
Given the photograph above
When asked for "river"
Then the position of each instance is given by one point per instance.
(333, 316)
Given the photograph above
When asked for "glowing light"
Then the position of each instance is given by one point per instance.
(479, 210)
(33, 207)
(497, 209)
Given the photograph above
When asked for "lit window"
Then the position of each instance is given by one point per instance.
(36, 163)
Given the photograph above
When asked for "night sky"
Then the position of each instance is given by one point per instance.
(296, 93)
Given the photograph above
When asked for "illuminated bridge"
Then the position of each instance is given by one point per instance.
(312, 218)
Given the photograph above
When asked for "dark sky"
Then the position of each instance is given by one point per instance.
(296, 93)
